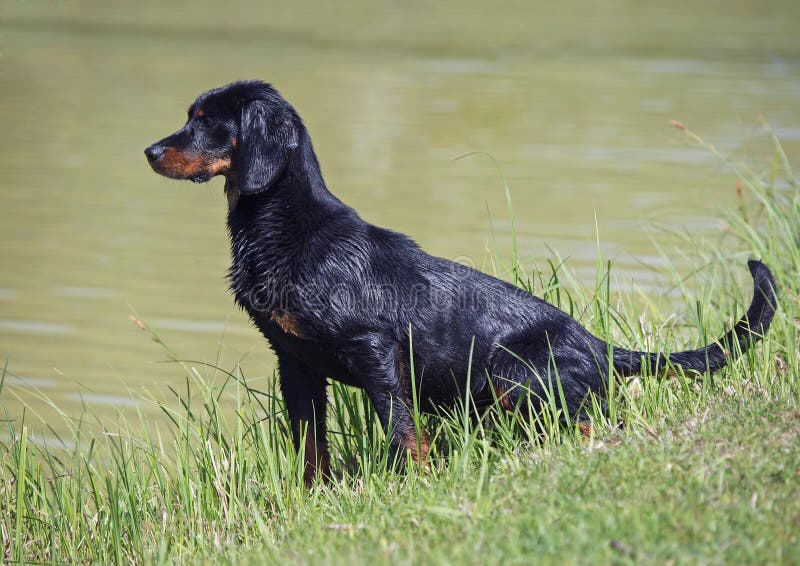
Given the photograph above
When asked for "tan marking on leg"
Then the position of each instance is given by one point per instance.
(419, 451)
(502, 396)
(317, 458)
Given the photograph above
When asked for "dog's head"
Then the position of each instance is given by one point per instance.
(245, 128)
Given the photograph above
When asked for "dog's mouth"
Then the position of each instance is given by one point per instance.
(179, 165)
(200, 178)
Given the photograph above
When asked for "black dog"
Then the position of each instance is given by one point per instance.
(340, 298)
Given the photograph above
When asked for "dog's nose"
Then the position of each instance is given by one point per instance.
(154, 152)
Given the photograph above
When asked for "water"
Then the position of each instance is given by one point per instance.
(573, 102)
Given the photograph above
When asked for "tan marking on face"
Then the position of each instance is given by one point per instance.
(178, 163)
(200, 113)
(218, 166)
(184, 164)
(287, 322)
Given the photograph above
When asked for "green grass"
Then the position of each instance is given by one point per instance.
(702, 471)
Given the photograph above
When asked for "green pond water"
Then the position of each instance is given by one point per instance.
(572, 99)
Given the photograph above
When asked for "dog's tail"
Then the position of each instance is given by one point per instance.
(749, 330)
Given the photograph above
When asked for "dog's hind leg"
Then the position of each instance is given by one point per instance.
(532, 376)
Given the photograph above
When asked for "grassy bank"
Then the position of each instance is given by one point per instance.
(698, 471)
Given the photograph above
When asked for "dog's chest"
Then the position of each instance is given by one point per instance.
(261, 290)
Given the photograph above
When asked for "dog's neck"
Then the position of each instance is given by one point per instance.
(301, 183)
(231, 190)
(272, 230)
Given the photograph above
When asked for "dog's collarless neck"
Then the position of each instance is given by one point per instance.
(273, 229)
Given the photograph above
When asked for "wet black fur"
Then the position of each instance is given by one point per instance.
(353, 293)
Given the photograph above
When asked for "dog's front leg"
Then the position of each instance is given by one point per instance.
(304, 392)
(384, 372)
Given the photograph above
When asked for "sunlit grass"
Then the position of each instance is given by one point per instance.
(676, 470)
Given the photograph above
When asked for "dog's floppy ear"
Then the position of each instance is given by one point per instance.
(265, 139)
